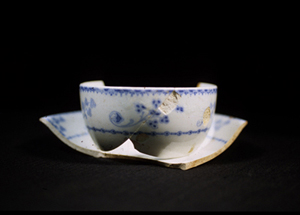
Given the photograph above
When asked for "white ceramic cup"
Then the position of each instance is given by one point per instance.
(162, 122)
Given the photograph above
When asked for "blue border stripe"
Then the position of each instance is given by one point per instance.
(116, 92)
(217, 139)
(152, 133)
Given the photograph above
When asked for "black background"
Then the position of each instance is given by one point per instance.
(42, 72)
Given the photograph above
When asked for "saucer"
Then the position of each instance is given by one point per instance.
(69, 127)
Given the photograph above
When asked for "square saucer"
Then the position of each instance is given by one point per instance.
(69, 127)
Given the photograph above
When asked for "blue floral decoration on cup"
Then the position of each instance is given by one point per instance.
(151, 116)
(87, 107)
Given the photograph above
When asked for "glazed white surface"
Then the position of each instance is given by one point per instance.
(163, 122)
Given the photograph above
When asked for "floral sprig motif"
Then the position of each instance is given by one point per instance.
(153, 117)
(156, 103)
(179, 109)
(87, 107)
(139, 108)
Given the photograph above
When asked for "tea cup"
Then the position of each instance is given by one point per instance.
(166, 122)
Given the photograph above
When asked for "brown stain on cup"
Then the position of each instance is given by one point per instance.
(206, 116)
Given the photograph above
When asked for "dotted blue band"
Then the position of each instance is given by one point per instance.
(152, 133)
(115, 92)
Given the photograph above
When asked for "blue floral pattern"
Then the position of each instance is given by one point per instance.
(139, 108)
(152, 123)
(152, 117)
(179, 109)
(87, 107)
(55, 121)
(61, 123)
(164, 119)
(156, 103)
(116, 117)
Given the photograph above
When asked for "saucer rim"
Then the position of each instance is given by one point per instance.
(165, 162)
